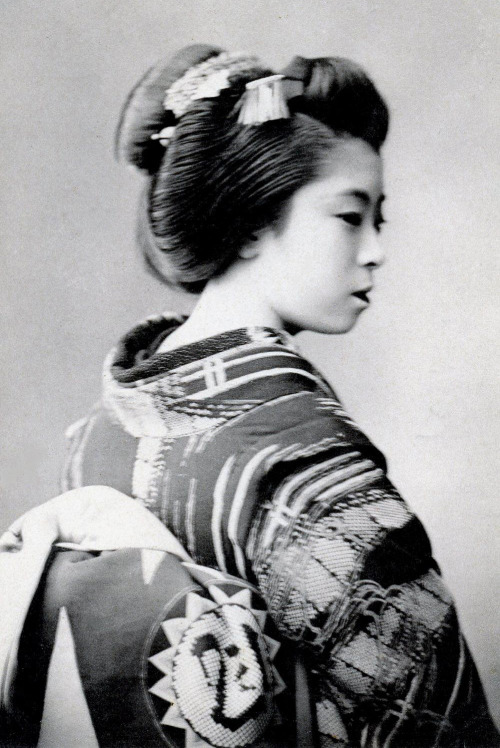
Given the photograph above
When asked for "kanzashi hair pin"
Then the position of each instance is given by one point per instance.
(164, 136)
(263, 101)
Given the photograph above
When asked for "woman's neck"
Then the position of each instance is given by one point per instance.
(228, 302)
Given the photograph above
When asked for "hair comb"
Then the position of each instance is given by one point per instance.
(263, 101)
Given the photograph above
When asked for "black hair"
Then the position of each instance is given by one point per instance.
(219, 182)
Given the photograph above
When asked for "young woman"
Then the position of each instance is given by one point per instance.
(264, 195)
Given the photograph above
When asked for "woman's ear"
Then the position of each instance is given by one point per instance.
(250, 250)
(253, 245)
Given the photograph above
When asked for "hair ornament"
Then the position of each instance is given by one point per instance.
(211, 87)
(263, 101)
(164, 136)
(206, 80)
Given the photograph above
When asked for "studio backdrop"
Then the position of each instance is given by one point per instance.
(418, 373)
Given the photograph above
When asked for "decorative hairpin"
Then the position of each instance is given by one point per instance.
(211, 87)
(164, 136)
(263, 101)
(206, 80)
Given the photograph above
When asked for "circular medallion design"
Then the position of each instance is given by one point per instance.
(223, 677)
(218, 674)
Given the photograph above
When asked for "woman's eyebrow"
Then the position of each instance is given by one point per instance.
(361, 195)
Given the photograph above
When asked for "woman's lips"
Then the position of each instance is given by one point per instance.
(362, 295)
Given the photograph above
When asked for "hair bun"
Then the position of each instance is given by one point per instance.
(143, 113)
(338, 92)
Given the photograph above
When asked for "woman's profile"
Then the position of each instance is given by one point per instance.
(264, 196)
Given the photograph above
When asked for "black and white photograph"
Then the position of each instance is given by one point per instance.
(249, 420)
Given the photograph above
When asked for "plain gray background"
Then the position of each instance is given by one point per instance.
(418, 373)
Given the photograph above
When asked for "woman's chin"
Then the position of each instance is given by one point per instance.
(324, 327)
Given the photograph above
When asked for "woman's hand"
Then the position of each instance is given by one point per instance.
(93, 518)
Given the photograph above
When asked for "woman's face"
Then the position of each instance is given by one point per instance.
(318, 269)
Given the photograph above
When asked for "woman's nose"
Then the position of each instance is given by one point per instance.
(371, 252)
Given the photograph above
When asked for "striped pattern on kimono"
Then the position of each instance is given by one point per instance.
(243, 450)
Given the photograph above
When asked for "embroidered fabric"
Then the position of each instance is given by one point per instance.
(239, 446)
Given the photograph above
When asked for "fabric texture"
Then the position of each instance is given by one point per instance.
(155, 652)
(91, 519)
(245, 453)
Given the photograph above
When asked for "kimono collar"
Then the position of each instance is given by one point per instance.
(179, 391)
(135, 359)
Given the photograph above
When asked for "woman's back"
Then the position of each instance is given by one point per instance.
(185, 431)
(245, 453)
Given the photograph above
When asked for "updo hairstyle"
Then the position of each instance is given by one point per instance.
(217, 183)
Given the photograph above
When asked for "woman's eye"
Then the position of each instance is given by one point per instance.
(352, 218)
(379, 222)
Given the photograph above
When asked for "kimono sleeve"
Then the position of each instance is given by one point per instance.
(347, 572)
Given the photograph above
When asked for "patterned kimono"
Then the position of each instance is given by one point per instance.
(242, 449)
